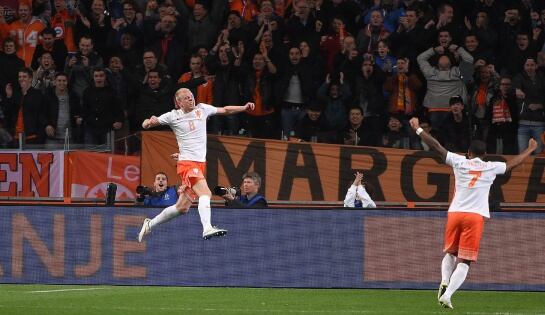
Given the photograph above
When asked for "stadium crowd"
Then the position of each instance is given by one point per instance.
(333, 71)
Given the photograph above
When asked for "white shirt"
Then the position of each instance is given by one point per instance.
(473, 179)
(190, 130)
(359, 193)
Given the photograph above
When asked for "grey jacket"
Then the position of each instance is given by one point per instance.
(442, 84)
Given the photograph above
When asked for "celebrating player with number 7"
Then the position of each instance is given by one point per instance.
(188, 121)
(469, 207)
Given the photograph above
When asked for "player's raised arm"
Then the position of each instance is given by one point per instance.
(428, 139)
(229, 110)
(517, 160)
(150, 122)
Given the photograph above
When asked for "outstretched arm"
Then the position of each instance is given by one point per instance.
(428, 139)
(150, 122)
(517, 160)
(229, 110)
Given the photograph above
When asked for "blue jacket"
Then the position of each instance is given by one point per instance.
(167, 198)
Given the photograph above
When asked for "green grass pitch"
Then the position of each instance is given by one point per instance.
(134, 300)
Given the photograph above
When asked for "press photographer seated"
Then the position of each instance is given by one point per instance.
(247, 196)
(159, 195)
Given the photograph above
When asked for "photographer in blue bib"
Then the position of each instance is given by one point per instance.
(159, 195)
(245, 197)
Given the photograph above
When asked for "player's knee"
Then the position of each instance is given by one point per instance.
(182, 209)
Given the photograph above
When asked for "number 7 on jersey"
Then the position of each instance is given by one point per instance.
(474, 177)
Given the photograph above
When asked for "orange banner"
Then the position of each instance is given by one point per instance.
(91, 172)
(323, 172)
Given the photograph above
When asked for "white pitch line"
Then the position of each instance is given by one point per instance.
(65, 290)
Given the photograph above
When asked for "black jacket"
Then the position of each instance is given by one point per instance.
(52, 107)
(305, 73)
(33, 112)
(266, 85)
(100, 109)
(59, 54)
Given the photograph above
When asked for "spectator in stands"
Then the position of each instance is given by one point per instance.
(295, 89)
(403, 88)
(485, 34)
(442, 80)
(168, 44)
(236, 28)
(514, 60)
(130, 54)
(101, 111)
(153, 98)
(63, 22)
(530, 91)
(49, 44)
(508, 30)
(203, 23)
(249, 193)
(149, 62)
(357, 132)
(410, 38)
(335, 96)
(445, 22)
(348, 52)
(395, 136)
(302, 27)
(197, 81)
(24, 109)
(42, 10)
(5, 137)
(503, 119)
(259, 89)
(45, 74)
(473, 47)
(10, 64)
(226, 66)
(331, 44)
(456, 129)
(312, 58)
(161, 194)
(265, 16)
(369, 96)
(96, 25)
(369, 37)
(25, 31)
(485, 86)
(78, 66)
(383, 59)
(130, 23)
(62, 109)
(357, 196)
(312, 127)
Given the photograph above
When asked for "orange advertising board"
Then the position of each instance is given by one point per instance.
(299, 171)
(91, 172)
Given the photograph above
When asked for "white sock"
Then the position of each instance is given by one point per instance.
(166, 215)
(458, 277)
(204, 212)
(447, 267)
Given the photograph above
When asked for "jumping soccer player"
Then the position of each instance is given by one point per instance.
(188, 121)
(469, 207)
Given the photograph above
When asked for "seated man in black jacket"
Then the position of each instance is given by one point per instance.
(249, 196)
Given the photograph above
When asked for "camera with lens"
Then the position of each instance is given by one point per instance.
(222, 191)
(144, 191)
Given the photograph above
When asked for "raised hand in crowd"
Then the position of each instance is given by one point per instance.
(358, 179)
(319, 25)
(467, 23)
(439, 50)
(9, 90)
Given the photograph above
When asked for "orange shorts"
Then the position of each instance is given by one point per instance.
(190, 172)
(463, 234)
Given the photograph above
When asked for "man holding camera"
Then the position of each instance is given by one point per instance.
(247, 197)
(160, 195)
(188, 121)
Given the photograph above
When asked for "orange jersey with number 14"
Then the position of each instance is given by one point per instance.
(26, 36)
